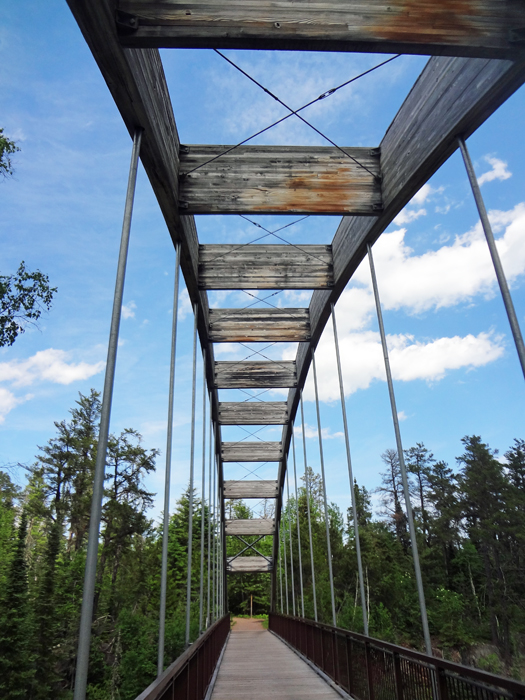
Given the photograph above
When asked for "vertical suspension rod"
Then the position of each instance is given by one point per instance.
(290, 537)
(192, 464)
(84, 635)
(410, 515)
(169, 445)
(325, 502)
(498, 267)
(298, 527)
(307, 488)
(285, 568)
(203, 487)
(280, 570)
(351, 479)
(208, 608)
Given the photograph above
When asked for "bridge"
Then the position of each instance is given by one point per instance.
(477, 51)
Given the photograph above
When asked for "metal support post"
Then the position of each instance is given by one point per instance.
(84, 635)
(169, 444)
(307, 488)
(290, 536)
(214, 547)
(498, 267)
(325, 502)
(280, 572)
(298, 527)
(351, 479)
(192, 462)
(203, 487)
(208, 608)
(410, 516)
(285, 568)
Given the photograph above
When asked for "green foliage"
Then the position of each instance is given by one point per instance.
(471, 536)
(23, 298)
(7, 149)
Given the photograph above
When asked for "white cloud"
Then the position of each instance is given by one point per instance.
(128, 310)
(47, 365)
(312, 432)
(362, 359)
(185, 307)
(407, 215)
(401, 416)
(499, 171)
(8, 401)
(425, 192)
(452, 274)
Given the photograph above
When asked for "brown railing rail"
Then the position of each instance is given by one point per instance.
(369, 669)
(189, 676)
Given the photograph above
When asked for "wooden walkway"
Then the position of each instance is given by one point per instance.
(256, 665)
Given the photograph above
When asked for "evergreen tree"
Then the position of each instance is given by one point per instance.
(16, 659)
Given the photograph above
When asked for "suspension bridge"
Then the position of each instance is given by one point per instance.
(477, 51)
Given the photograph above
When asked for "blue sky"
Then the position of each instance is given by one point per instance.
(454, 364)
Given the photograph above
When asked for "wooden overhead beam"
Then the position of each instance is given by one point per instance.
(486, 28)
(280, 179)
(252, 526)
(253, 413)
(255, 375)
(259, 325)
(251, 451)
(249, 565)
(250, 489)
(280, 266)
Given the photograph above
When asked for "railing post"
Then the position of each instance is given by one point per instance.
(398, 676)
(349, 664)
(442, 683)
(369, 671)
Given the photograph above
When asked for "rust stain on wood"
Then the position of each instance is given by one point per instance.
(446, 20)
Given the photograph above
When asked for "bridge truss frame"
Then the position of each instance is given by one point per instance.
(477, 61)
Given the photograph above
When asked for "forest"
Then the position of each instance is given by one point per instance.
(470, 522)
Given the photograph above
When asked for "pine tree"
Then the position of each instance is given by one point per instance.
(16, 661)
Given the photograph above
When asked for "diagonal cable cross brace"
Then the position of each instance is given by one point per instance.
(328, 93)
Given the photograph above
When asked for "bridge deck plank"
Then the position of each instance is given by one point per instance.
(256, 666)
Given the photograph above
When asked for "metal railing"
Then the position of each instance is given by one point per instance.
(190, 675)
(369, 669)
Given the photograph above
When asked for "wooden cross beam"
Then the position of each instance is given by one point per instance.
(265, 267)
(249, 565)
(251, 526)
(255, 375)
(280, 179)
(482, 28)
(250, 489)
(253, 413)
(259, 325)
(251, 451)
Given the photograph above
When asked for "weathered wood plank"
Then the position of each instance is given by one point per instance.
(277, 179)
(255, 375)
(253, 526)
(253, 413)
(249, 565)
(251, 451)
(259, 325)
(463, 28)
(265, 267)
(250, 489)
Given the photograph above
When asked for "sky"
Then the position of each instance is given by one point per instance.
(455, 368)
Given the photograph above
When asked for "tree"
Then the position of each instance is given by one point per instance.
(16, 671)
(23, 298)
(392, 495)
(418, 462)
(7, 149)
